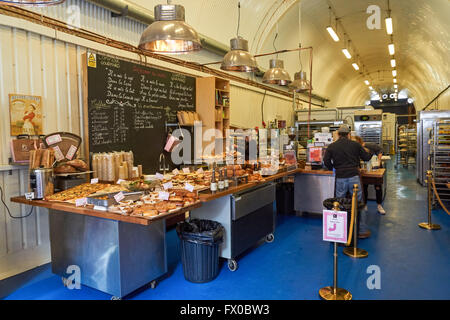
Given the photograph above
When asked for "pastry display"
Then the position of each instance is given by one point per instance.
(80, 191)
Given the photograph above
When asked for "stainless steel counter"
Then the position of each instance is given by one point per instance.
(115, 257)
(310, 189)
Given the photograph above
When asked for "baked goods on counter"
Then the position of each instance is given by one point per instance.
(78, 192)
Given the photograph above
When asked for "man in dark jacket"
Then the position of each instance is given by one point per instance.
(344, 156)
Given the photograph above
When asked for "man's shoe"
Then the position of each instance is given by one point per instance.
(364, 235)
(381, 210)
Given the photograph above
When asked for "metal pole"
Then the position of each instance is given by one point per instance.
(335, 284)
(428, 225)
(333, 292)
(354, 251)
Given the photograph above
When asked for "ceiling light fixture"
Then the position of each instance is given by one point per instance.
(300, 83)
(238, 58)
(370, 88)
(276, 74)
(355, 66)
(169, 33)
(346, 53)
(389, 28)
(366, 82)
(395, 80)
(391, 49)
(393, 63)
(395, 86)
(394, 73)
(333, 34)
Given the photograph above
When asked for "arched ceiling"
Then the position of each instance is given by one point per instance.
(421, 37)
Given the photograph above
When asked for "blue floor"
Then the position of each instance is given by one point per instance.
(414, 263)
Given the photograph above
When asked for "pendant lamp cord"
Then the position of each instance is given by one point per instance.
(239, 19)
(276, 35)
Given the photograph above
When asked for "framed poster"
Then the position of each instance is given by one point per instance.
(25, 114)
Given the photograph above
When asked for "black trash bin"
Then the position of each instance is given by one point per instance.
(345, 204)
(285, 198)
(200, 240)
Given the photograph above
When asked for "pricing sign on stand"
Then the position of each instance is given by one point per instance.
(335, 226)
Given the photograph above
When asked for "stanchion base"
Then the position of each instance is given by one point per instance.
(327, 293)
(358, 253)
(427, 226)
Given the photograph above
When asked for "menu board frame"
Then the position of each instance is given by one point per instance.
(89, 59)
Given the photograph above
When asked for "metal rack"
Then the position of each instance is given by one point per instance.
(440, 158)
(406, 146)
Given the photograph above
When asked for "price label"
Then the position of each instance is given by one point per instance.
(162, 195)
(58, 154)
(119, 197)
(200, 170)
(167, 185)
(29, 195)
(120, 181)
(175, 171)
(81, 202)
(186, 170)
(71, 152)
(53, 139)
(189, 187)
(159, 176)
(94, 181)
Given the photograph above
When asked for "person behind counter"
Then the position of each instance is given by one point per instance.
(344, 156)
(378, 151)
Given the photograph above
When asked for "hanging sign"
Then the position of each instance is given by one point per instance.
(335, 226)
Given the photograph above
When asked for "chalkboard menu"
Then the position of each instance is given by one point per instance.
(128, 105)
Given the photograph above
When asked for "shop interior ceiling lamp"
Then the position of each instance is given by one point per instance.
(394, 73)
(366, 82)
(169, 33)
(36, 3)
(370, 88)
(389, 28)
(393, 63)
(300, 83)
(346, 53)
(355, 66)
(395, 86)
(276, 74)
(332, 33)
(238, 58)
(395, 80)
(391, 49)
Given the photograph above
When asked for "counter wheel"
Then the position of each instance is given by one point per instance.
(232, 265)
(153, 284)
(270, 237)
(116, 298)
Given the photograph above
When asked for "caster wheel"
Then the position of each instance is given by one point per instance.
(115, 298)
(270, 238)
(153, 284)
(232, 265)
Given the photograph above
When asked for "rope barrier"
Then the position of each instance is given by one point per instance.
(438, 198)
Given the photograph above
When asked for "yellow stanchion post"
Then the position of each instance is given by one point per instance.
(428, 225)
(333, 292)
(354, 251)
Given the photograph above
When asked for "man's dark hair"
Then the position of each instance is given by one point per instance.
(343, 134)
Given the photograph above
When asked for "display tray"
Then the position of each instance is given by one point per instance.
(72, 174)
(96, 201)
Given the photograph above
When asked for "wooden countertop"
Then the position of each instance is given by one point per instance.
(379, 173)
(89, 211)
(206, 195)
(321, 172)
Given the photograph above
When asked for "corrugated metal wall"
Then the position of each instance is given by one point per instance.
(32, 63)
